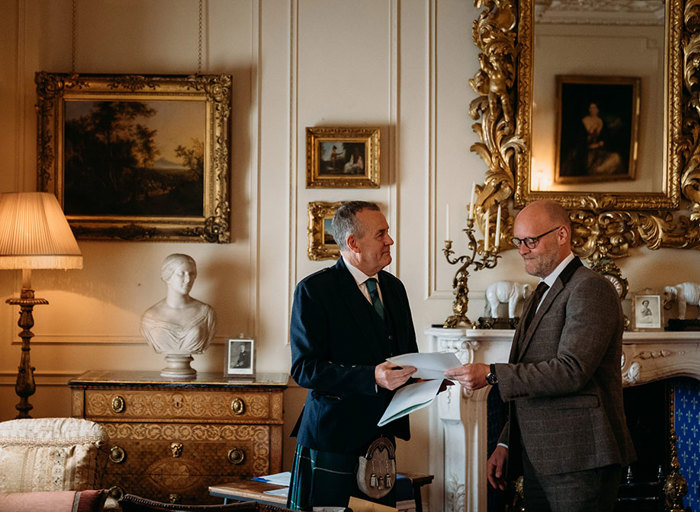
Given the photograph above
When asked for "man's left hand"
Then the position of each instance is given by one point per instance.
(470, 376)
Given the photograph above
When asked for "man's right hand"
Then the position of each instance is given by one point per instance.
(389, 376)
(496, 466)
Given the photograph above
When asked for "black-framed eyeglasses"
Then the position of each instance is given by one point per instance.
(531, 241)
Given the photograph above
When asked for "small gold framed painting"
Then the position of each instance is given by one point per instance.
(322, 245)
(647, 311)
(342, 157)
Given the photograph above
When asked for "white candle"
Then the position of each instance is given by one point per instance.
(486, 232)
(447, 221)
(498, 226)
(471, 201)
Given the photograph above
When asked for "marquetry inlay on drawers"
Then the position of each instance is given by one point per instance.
(172, 440)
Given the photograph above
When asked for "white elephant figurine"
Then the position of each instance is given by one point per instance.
(684, 293)
(505, 291)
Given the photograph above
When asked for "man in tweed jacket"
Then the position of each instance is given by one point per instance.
(566, 426)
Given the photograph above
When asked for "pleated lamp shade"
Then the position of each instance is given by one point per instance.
(34, 233)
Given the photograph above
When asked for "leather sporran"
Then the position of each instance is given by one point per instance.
(376, 473)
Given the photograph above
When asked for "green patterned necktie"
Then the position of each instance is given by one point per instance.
(374, 295)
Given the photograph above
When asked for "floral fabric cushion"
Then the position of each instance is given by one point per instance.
(56, 501)
(50, 454)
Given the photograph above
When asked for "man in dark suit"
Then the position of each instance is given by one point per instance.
(346, 321)
(566, 427)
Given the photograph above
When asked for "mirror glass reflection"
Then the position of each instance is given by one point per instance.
(587, 43)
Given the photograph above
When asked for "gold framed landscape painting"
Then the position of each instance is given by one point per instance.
(137, 157)
(342, 157)
(322, 245)
(597, 128)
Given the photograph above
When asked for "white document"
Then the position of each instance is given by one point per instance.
(277, 478)
(410, 398)
(430, 365)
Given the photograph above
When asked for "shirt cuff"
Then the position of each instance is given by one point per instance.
(504, 445)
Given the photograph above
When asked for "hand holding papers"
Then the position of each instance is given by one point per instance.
(430, 366)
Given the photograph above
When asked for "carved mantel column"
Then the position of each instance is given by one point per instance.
(458, 430)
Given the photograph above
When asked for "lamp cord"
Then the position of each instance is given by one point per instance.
(199, 41)
(74, 35)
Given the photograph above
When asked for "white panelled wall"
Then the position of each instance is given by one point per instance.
(402, 65)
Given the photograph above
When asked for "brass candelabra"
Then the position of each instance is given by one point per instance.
(479, 258)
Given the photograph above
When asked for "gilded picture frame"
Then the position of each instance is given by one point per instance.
(322, 246)
(137, 157)
(647, 311)
(240, 356)
(597, 128)
(342, 157)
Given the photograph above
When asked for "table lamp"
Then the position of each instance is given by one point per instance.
(34, 233)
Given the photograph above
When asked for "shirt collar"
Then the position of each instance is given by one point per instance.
(357, 274)
(549, 280)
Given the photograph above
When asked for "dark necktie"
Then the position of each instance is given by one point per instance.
(374, 295)
(536, 298)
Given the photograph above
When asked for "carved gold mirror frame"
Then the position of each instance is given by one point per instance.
(605, 225)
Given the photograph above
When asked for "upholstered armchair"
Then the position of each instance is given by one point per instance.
(50, 464)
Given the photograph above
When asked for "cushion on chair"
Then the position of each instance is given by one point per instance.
(55, 501)
(49, 454)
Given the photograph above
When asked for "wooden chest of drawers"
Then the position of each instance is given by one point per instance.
(170, 440)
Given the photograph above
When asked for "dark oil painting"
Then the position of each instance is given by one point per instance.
(134, 158)
(342, 158)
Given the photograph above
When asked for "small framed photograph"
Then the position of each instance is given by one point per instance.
(342, 157)
(647, 311)
(240, 356)
(322, 245)
(597, 128)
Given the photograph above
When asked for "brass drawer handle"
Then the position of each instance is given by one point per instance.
(116, 492)
(117, 454)
(236, 456)
(118, 404)
(238, 406)
(176, 449)
(174, 497)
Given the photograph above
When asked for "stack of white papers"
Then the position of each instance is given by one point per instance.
(431, 366)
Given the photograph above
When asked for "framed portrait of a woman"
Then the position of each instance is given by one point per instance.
(597, 128)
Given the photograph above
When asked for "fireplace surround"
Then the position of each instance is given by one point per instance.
(458, 423)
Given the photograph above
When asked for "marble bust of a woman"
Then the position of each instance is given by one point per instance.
(179, 325)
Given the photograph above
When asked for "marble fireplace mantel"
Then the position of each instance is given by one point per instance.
(458, 424)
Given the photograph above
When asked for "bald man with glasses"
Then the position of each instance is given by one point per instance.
(566, 430)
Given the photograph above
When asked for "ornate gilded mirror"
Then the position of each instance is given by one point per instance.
(522, 110)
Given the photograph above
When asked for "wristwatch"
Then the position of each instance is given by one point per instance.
(491, 376)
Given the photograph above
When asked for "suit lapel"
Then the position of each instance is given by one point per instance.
(523, 339)
(358, 306)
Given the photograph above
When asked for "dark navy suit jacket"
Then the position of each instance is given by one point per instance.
(337, 338)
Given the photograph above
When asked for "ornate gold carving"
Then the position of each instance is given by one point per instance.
(117, 454)
(237, 406)
(118, 404)
(236, 456)
(605, 225)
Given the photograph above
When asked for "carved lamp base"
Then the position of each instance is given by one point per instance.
(178, 367)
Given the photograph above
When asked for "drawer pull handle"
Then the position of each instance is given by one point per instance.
(176, 449)
(238, 406)
(118, 404)
(117, 454)
(174, 497)
(116, 492)
(236, 456)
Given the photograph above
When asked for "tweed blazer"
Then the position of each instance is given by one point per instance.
(563, 381)
(337, 339)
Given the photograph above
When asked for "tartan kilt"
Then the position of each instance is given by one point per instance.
(326, 479)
